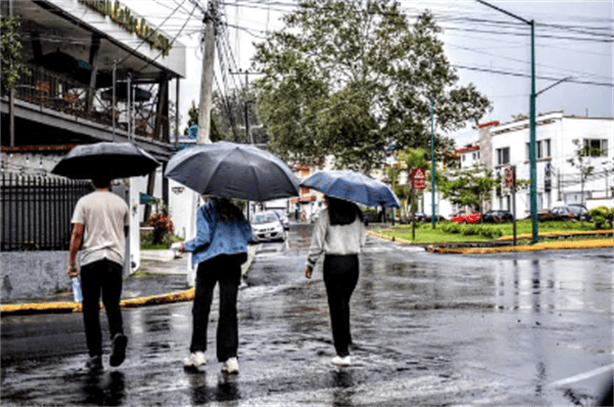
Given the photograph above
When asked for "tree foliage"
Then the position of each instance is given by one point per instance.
(11, 51)
(348, 78)
(582, 160)
(214, 133)
(468, 187)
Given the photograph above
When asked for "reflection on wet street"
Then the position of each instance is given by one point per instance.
(506, 329)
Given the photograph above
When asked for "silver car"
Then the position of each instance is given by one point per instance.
(266, 226)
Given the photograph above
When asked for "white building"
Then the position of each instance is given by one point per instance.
(558, 182)
(468, 156)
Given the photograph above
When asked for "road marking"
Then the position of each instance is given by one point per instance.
(581, 376)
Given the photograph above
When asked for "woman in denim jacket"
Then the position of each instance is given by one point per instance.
(219, 249)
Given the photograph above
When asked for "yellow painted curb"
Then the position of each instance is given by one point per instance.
(560, 233)
(43, 307)
(586, 244)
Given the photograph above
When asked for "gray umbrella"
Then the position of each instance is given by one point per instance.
(233, 171)
(104, 159)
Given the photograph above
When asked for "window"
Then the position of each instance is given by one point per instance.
(596, 147)
(543, 148)
(503, 156)
(464, 156)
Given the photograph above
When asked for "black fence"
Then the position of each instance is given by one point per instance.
(36, 211)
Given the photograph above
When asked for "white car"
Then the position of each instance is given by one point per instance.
(266, 226)
(283, 218)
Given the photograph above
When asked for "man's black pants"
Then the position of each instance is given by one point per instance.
(340, 279)
(103, 276)
(225, 270)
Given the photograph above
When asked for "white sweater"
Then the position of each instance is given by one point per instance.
(337, 239)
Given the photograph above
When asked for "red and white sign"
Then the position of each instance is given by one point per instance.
(417, 178)
(509, 177)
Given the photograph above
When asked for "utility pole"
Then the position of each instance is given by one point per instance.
(11, 95)
(532, 142)
(433, 214)
(206, 84)
(248, 134)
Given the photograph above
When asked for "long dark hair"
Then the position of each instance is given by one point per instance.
(342, 212)
(226, 210)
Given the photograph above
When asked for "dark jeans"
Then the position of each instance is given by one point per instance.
(225, 270)
(101, 276)
(340, 278)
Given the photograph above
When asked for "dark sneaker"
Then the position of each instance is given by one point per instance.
(94, 364)
(118, 349)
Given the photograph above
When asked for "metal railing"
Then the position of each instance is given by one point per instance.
(52, 91)
(36, 211)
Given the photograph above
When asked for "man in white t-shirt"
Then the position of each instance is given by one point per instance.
(100, 225)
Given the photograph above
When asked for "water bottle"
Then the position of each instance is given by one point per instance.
(76, 289)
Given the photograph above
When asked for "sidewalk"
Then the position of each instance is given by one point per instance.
(162, 278)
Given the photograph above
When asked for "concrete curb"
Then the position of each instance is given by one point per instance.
(60, 307)
(586, 244)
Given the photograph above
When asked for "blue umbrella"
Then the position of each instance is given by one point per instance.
(352, 186)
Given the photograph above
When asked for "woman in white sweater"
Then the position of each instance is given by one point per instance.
(339, 234)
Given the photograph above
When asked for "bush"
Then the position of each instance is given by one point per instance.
(147, 241)
(451, 227)
(491, 232)
(602, 216)
(471, 230)
(162, 224)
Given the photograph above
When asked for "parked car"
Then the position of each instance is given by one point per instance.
(283, 217)
(556, 213)
(580, 212)
(498, 216)
(266, 226)
(466, 217)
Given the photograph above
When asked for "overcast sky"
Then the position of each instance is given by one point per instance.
(489, 48)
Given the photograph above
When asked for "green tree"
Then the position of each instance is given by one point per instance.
(11, 51)
(214, 134)
(583, 161)
(468, 187)
(348, 78)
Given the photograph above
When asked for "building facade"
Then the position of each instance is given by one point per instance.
(93, 71)
(558, 140)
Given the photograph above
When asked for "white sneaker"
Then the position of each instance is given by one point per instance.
(231, 366)
(195, 359)
(342, 361)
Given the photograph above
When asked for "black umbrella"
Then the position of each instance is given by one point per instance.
(108, 160)
(233, 170)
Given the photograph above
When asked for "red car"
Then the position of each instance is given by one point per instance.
(466, 217)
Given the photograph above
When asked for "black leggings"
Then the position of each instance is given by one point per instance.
(340, 278)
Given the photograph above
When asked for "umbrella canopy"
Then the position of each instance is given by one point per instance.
(233, 170)
(352, 186)
(104, 159)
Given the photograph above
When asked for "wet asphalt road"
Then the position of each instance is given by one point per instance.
(509, 329)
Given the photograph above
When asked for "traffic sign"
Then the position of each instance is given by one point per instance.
(417, 178)
(509, 177)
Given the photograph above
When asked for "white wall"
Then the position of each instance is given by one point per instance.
(561, 131)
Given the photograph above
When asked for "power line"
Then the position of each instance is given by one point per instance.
(472, 68)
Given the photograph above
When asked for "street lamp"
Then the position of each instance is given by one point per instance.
(532, 152)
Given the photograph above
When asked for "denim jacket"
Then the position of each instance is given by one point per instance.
(214, 237)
